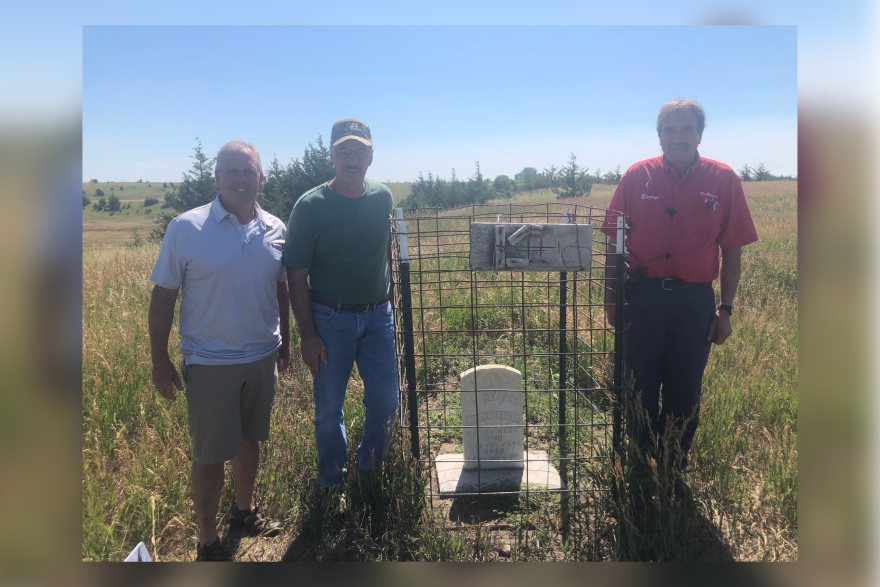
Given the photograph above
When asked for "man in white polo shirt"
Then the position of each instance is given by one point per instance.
(225, 257)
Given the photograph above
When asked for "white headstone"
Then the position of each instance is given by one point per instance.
(492, 395)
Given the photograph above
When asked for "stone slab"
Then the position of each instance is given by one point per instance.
(540, 247)
(454, 478)
(494, 393)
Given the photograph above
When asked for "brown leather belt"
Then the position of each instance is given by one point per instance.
(350, 307)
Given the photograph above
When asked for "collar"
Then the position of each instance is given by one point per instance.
(220, 212)
(346, 197)
(674, 172)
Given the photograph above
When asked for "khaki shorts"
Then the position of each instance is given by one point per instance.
(226, 403)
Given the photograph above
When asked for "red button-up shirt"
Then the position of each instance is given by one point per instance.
(677, 225)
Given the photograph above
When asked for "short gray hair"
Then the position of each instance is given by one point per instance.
(682, 104)
(237, 146)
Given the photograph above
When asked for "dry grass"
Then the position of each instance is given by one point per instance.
(136, 448)
(107, 232)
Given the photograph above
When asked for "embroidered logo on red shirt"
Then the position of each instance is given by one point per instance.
(711, 200)
(647, 197)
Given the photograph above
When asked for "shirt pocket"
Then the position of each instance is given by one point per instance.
(705, 217)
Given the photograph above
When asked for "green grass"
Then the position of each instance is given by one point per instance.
(399, 190)
(136, 448)
(129, 190)
(117, 228)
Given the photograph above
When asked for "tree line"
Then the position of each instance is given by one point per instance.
(284, 184)
(761, 173)
(569, 181)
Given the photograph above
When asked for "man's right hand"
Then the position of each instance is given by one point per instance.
(165, 378)
(313, 352)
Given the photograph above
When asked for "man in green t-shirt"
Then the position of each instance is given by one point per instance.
(337, 255)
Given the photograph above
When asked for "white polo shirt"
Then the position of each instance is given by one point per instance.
(228, 275)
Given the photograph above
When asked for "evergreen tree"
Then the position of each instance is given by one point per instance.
(612, 177)
(112, 204)
(454, 193)
(284, 185)
(550, 178)
(745, 173)
(196, 189)
(477, 188)
(762, 173)
(436, 192)
(575, 181)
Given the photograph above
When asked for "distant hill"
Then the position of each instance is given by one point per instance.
(141, 191)
(131, 190)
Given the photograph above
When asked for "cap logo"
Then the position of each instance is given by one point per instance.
(343, 129)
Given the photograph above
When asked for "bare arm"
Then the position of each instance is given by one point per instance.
(284, 316)
(312, 347)
(731, 269)
(161, 316)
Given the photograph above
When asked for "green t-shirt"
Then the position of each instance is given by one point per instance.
(343, 242)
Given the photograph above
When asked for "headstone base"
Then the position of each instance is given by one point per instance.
(454, 478)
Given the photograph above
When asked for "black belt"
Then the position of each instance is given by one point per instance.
(350, 307)
(668, 283)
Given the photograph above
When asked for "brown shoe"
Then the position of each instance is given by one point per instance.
(213, 552)
(256, 522)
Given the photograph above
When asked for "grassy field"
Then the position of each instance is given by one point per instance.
(126, 190)
(136, 449)
(102, 228)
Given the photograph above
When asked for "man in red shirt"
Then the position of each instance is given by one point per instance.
(681, 210)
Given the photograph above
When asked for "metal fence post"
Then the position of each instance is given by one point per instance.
(620, 258)
(409, 355)
(563, 350)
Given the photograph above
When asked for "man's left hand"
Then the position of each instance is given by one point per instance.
(283, 357)
(720, 328)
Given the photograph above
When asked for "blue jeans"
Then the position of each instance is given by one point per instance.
(368, 339)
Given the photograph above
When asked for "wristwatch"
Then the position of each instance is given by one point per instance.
(728, 309)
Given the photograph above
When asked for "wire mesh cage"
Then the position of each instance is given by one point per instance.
(510, 376)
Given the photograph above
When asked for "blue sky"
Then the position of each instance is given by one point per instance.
(436, 98)
(43, 75)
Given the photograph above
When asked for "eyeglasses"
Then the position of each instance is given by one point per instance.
(360, 154)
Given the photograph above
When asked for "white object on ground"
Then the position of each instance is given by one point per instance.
(140, 554)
